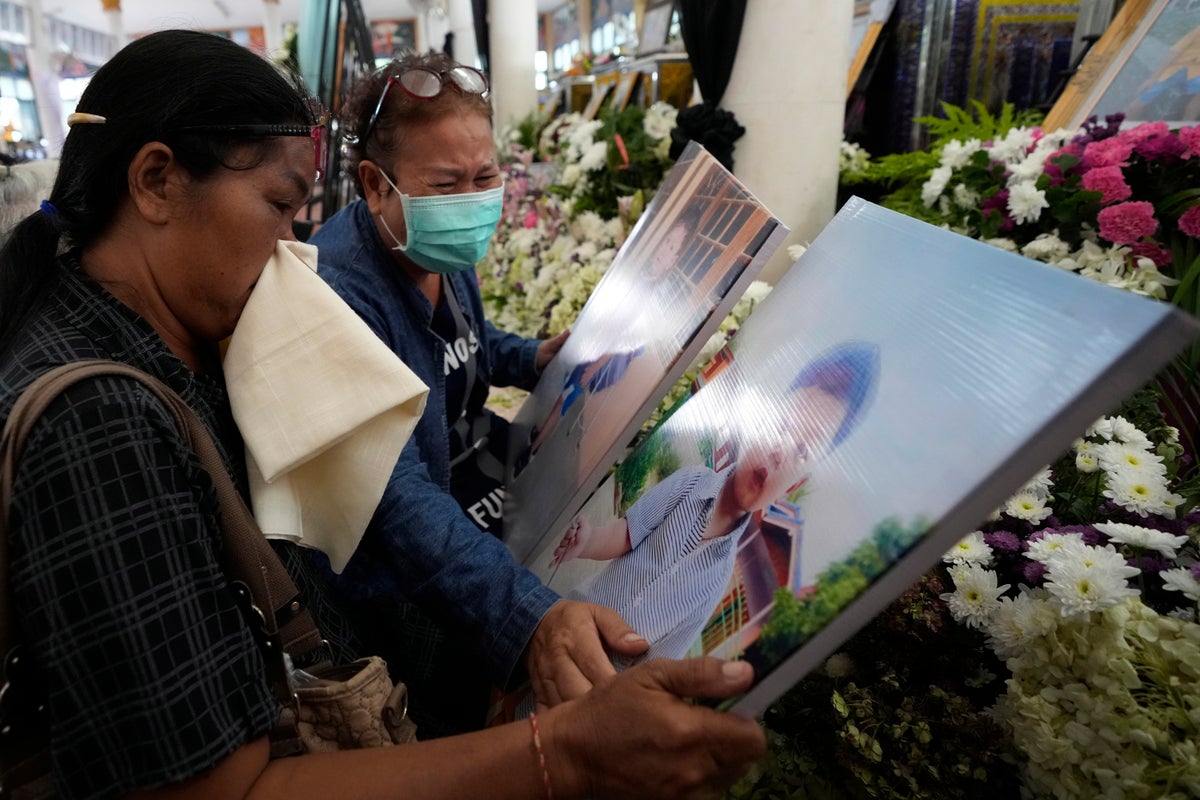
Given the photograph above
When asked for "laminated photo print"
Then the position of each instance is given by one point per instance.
(701, 241)
(897, 385)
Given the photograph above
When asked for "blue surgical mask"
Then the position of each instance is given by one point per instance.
(447, 232)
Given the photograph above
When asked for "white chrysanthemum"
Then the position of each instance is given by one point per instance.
(1028, 169)
(595, 157)
(1025, 202)
(1180, 580)
(975, 594)
(581, 140)
(1125, 431)
(1046, 247)
(571, 174)
(1118, 456)
(1027, 506)
(1089, 579)
(1051, 544)
(659, 120)
(965, 197)
(1087, 462)
(1040, 484)
(1140, 492)
(1145, 538)
(1013, 148)
(971, 549)
(1003, 243)
(933, 187)
(794, 251)
(956, 153)
(1017, 620)
(1101, 427)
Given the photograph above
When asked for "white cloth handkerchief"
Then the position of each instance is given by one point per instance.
(323, 406)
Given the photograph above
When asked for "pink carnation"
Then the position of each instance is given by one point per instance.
(1191, 140)
(1109, 181)
(531, 219)
(1159, 147)
(1125, 223)
(1111, 152)
(1140, 133)
(1160, 255)
(1189, 222)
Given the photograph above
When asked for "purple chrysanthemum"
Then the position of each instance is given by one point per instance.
(1033, 571)
(1003, 540)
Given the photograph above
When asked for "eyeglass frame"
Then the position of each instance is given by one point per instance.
(318, 132)
(441, 76)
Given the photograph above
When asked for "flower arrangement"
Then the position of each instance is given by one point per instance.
(569, 205)
(1086, 585)
(1118, 206)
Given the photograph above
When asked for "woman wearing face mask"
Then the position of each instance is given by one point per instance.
(435, 590)
(171, 197)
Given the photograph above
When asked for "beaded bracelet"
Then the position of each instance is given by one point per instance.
(537, 743)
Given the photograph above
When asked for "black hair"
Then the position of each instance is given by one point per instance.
(148, 91)
(400, 110)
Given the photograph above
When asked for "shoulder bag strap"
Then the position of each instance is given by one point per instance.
(248, 557)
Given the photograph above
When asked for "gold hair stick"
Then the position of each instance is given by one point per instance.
(79, 118)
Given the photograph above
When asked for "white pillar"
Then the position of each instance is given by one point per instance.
(116, 21)
(272, 27)
(512, 36)
(462, 25)
(788, 89)
(44, 77)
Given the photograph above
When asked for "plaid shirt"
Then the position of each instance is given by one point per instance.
(118, 592)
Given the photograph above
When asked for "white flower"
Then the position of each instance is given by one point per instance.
(1017, 620)
(1125, 431)
(1013, 147)
(1027, 506)
(1087, 462)
(659, 120)
(956, 154)
(965, 197)
(1119, 457)
(972, 549)
(933, 187)
(571, 174)
(1052, 543)
(794, 251)
(1003, 243)
(1025, 202)
(1102, 427)
(1028, 169)
(1180, 580)
(1140, 492)
(595, 157)
(1146, 538)
(1040, 484)
(975, 595)
(838, 665)
(1046, 247)
(1088, 579)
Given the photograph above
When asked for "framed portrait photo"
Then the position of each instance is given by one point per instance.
(656, 28)
(1146, 66)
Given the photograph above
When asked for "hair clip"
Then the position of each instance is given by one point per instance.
(80, 118)
(48, 209)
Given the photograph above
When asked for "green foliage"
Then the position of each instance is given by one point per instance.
(526, 131)
(975, 123)
(652, 457)
(897, 177)
(885, 718)
(793, 620)
(641, 174)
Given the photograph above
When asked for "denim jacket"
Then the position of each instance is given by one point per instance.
(420, 545)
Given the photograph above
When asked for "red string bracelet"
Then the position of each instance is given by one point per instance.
(537, 743)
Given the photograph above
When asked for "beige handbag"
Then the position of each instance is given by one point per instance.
(325, 707)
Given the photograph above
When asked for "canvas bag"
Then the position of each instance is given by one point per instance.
(325, 707)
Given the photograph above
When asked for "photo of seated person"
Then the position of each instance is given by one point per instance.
(674, 551)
